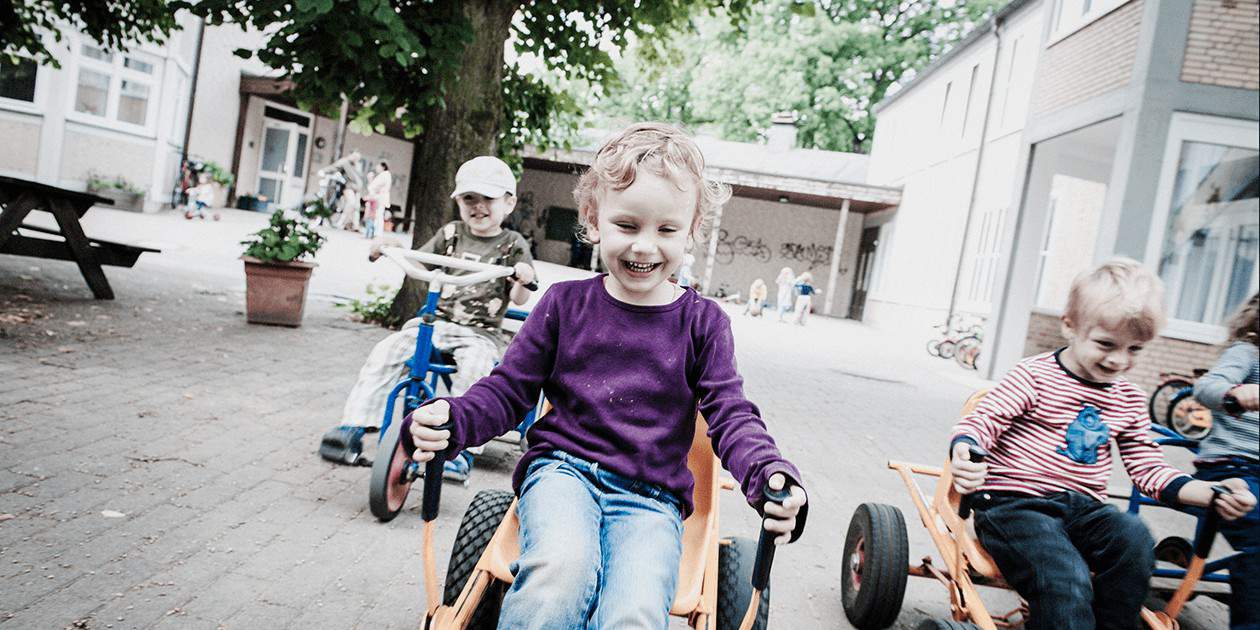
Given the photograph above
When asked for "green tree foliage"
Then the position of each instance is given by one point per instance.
(115, 25)
(830, 61)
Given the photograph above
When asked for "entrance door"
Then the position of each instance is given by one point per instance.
(862, 279)
(282, 165)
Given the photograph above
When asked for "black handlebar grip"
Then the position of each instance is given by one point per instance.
(532, 286)
(1231, 405)
(432, 497)
(1211, 523)
(765, 543)
(977, 455)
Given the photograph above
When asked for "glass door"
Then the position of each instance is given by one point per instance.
(275, 162)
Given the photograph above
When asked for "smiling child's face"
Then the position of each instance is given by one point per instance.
(484, 215)
(1098, 353)
(642, 233)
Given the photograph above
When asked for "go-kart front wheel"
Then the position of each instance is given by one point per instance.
(735, 568)
(391, 476)
(876, 566)
(482, 518)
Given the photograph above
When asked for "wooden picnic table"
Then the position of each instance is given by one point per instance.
(18, 197)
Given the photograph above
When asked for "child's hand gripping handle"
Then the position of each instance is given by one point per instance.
(765, 543)
(977, 455)
(432, 497)
(1211, 522)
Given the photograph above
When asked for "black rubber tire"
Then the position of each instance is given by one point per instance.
(946, 349)
(735, 590)
(945, 624)
(966, 351)
(1175, 550)
(876, 565)
(384, 501)
(1181, 405)
(481, 519)
(1157, 404)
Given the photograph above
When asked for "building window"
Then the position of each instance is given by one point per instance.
(1073, 15)
(1066, 191)
(17, 80)
(115, 86)
(1208, 258)
(971, 90)
(945, 105)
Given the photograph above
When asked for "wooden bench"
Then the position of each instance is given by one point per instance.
(18, 197)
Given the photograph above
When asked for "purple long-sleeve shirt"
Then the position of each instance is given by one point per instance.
(624, 382)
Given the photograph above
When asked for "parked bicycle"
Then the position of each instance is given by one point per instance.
(959, 328)
(1173, 405)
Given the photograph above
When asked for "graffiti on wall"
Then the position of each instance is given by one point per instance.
(812, 255)
(729, 247)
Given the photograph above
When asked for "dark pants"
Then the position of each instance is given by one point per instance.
(1244, 533)
(1047, 547)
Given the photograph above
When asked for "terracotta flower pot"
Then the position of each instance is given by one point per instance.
(275, 293)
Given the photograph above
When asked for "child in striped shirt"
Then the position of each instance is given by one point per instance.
(1047, 426)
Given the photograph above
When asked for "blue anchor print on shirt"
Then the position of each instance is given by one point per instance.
(1084, 436)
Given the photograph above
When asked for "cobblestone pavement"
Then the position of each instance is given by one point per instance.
(157, 453)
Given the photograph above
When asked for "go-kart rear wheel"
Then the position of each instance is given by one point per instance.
(735, 568)
(876, 566)
(482, 518)
(945, 624)
(391, 479)
(1175, 550)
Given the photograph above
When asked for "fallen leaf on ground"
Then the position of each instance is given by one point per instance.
(112, 514)
(6, 517)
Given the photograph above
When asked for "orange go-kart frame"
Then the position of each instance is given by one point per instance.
(967, 565)
(696, 597)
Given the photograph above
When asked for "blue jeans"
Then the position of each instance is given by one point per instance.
(1047, 546)
(1244, 533)
(597, 549)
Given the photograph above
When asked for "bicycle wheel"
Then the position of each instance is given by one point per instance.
(934, 347)
(1158, 404)
(966, 351)
(1188, 416)
(947, 349)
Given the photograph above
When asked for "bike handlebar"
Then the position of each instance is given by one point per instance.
(480, 271)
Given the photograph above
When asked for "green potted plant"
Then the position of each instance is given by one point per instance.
(276, 276)
(124, 194)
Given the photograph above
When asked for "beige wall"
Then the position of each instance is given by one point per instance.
(213, 133)
(109, 155)
(1161, 355)
(21, 139)
(757, 238)
(1222, 47)
(397, 153)
(1092, 61)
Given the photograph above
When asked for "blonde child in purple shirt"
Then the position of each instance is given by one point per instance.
(626, 359)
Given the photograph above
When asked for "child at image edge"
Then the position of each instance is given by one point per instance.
(1039, 505)
(1232, 449)
(626, 358)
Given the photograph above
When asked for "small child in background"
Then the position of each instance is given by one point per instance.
(756, 298)
(804, 297)
(784, 300)
(1230, 449)
(1040, 496)
(200, 197)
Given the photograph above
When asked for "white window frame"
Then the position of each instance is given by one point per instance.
(117, 73)
(1184, 127)
(1065, 25)
(35, 106)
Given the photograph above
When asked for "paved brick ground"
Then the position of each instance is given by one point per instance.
(164, 406)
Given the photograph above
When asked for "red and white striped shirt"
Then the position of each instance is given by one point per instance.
(1047, 431)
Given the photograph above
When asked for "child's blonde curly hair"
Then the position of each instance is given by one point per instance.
(1243, 324)
(1118, 294)
(666, 151)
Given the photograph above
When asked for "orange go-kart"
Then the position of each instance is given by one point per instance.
(723, 583)
(877, 566)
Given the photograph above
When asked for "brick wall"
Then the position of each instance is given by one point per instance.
(1161, 355)
(1222, 48)
(1092, 61)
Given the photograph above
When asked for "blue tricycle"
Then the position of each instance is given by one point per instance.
(392, 471)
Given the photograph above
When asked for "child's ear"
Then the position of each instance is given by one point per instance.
(511, 204)
(1067, 328)
(592, 233)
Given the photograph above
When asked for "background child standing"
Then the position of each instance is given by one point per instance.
(785, 300)
(1230, 450)
(804, 296)
(626, 359)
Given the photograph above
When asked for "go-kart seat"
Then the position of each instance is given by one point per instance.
(946, 501)
(699, 540)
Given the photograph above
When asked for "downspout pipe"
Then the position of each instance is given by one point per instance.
(997, 23)
(192, 94)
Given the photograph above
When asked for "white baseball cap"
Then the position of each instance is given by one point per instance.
(485, 175)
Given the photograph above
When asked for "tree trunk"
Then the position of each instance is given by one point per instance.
(467, 126)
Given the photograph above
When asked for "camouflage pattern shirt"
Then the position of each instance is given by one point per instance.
(479, 306)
